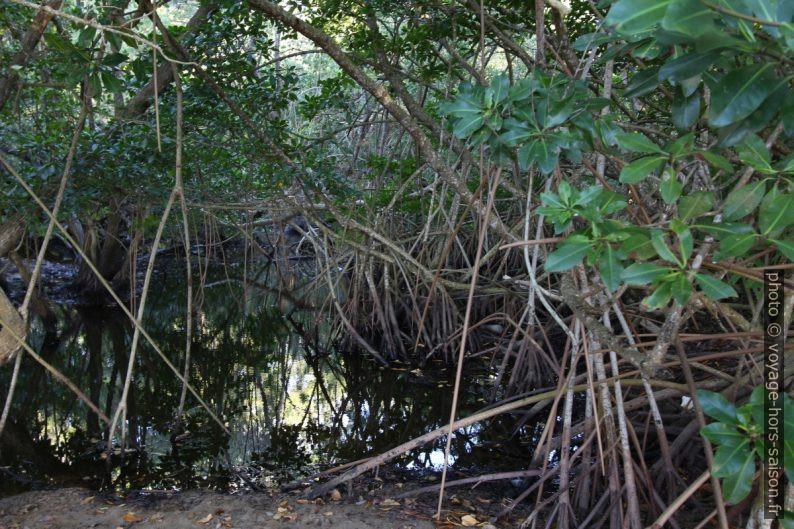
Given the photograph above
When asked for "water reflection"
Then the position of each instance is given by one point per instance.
(291, 400)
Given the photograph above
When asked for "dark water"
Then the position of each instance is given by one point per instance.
(293, 402)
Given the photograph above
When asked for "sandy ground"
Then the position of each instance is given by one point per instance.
(79, 508)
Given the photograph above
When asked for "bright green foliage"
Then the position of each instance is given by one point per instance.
(739, 435)
(545, 121)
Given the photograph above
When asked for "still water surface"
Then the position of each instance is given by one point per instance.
(292, 401)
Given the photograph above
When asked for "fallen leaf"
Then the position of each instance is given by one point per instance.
(87, 500)
(303, 501)
(328, 513)
(131, 517)
(335, 495)
(388, 502)
(206, 519)
(469, 521)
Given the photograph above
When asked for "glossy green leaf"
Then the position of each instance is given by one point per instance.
(610, 268)
(639, 169)
(643, 82)
(685, 240)
(695, 204)
(685, 110)
(714, 288)
(717, 160)
(680, 288)
(777, 214)
(724, 229)
(636, 142)
(688, 17)
(735, 245)
(635, 16)
(568, 255)
(742, 201)
(638, 245)
(722, 433)
(670, 187)
(687, 66)
(785, 247)
(737, 485)
(660, 245)
(468, 125)
(717, 407)
(641, 274)
(754, 153)
(541, 152)
(740, 92)
(660, 297)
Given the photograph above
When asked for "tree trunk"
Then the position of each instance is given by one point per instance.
(11, 79)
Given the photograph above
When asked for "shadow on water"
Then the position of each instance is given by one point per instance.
(292, 401)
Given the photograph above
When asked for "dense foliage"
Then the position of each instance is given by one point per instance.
(569, 190)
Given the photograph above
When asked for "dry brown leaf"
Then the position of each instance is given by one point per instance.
(468, 521)
(206, 519)
(87, 500)
(303, 501)
(335, 495)
(131, 517)
(388, 502)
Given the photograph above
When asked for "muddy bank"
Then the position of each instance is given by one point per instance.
(81, 508)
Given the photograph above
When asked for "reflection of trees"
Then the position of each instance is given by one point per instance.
(289, 399)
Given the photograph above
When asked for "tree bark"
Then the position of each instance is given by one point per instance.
(29, 42)
(141, 101)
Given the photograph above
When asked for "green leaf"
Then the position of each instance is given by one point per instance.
(740, 92)
(634, 16)
(637, 170)
(685, 241)
(671, 188)
(752, 151)
(568, 255)
(643, 82)
(610, 268)
(695, 204)
(742, 201)
(724, 229)
(664, 251)
(714, 288)
(641, 274)
(660, 297)
(717, 407)
(541, 152)
(776, 214)
(722, 434)
(687, 66)
(498, 89)
(638, 244)
(737, 485)
(785, 247)
(767, 10)
(680, 288)
(467, 125)
(718, 161)
(688, 17)
(735, 245)
(111, 83)
(636, 142)
(685, 110)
